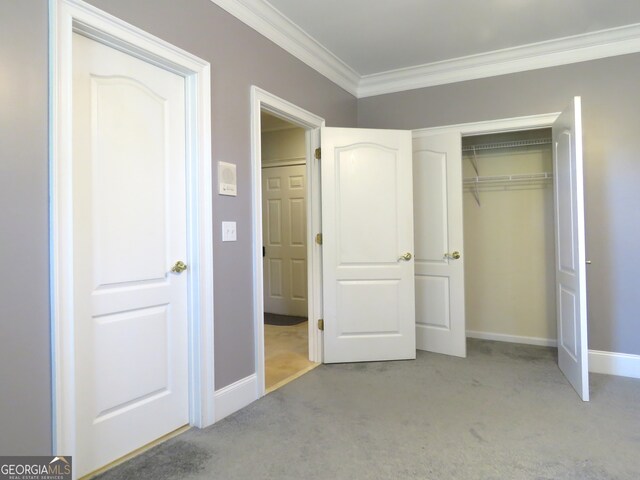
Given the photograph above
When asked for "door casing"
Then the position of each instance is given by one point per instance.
(75, 16)
(262, 100)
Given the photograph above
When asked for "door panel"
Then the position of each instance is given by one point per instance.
(367, 223)
(285, 238)
(437, 183)
(571, 282)
(129, 216)
(120, 160)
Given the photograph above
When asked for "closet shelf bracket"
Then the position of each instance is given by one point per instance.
(476, 193)
(474, 162)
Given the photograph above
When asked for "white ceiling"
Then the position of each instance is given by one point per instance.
(374, 36)
(372, 47)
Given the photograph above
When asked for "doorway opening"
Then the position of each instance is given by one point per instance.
(284, 249)
(281, 111)
(509, 241)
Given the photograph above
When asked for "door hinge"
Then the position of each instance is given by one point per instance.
(321, 324)
(318, 153)
(319, 238)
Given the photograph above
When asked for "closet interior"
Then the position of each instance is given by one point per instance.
(509, 240)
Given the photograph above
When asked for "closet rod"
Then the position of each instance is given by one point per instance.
(512, 144)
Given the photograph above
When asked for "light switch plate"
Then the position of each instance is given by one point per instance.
(229, 231)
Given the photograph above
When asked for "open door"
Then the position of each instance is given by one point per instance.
(439, 263)
(571, 284)
(367, 228)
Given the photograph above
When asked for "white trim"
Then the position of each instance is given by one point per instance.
(262, 100)
(551, 53)
(236, 396)
(612, 363)
(501, 337)
(66, 17)
(268, 21)
(502, 125)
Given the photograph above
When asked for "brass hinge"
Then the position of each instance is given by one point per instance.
(321, 324)
(318, 153)
(319, 238)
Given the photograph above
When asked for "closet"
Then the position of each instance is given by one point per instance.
(509, 240)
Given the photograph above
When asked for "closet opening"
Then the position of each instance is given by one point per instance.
(509, 239)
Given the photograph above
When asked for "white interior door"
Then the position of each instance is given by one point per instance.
(284, 234)
(571, 283)
(129, 229)
(367, 227)
(439, 264)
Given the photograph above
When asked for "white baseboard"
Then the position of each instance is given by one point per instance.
(612, 363)
(233, 397)
(501, 337)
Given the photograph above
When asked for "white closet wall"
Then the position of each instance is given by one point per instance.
(509, 243)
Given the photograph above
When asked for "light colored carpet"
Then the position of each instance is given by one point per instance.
(286, 352)
(505, 412)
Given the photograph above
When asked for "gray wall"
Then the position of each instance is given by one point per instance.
(25, 418)
(239, 57)
(611, 114)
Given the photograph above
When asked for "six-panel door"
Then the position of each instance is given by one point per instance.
(284, 234)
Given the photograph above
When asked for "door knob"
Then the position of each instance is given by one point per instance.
(406, 257)
(179, 267)
(455, 255)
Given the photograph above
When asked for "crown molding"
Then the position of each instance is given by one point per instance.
(266, 20)
(551, 53)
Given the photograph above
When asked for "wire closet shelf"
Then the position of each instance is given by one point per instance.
(475, 184)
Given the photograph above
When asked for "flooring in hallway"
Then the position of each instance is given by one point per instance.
(286, 353)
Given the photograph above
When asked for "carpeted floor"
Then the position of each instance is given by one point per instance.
(505, 412)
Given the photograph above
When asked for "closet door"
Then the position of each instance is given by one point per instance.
(439, 267)
(571, 284)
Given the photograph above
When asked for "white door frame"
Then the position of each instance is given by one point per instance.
(502, 125)
(262, 100)
(65, 18)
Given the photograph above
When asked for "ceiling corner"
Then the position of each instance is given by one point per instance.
(268, 21)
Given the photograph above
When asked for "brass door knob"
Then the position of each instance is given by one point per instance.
(406, 257)
(455, 255)
(179, 267)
